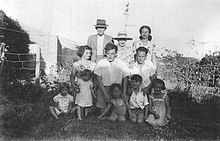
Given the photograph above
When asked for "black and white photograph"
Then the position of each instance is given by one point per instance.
(109, 70)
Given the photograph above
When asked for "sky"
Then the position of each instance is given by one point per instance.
(192, 27)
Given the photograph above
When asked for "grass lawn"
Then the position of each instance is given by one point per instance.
(183, 126)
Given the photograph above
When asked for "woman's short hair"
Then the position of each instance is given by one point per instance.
(158, 81)
(111, 46)
(64, 85)
(82, 49)
(149, 29)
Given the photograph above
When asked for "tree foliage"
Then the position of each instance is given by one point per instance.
(16, 41)
(14, 36)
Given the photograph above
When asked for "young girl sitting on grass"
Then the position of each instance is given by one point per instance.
(86, 93)
(118, 105)
(63, 101)
(159, 105)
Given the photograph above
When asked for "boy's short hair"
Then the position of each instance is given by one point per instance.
(115, 85)
(158, 81)
(136, 77)
(82, 49)
(143, 49)
(64, 85)
(110, 46)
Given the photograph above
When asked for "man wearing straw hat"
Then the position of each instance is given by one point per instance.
(124, 52)
(98, 41)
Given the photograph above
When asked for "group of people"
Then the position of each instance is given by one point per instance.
(120, 80)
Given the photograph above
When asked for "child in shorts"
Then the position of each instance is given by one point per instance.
(138, 102)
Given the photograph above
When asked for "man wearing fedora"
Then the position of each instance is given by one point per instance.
(98, 41)
(125, 53)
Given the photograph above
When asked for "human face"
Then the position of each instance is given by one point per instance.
(86, 77)
(141, 55)
(122, 43)
(135, 84)
(110, 55)
(158, 88)
(117, 93)
(64, 91)
(87, 54)
(100, 30)
(145, 33)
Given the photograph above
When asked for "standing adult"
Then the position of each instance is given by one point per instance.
(98, 41)
(110, 70)
(124, 52)
(142, 68)
(146, 41)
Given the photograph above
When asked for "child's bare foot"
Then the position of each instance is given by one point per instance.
(79, 118)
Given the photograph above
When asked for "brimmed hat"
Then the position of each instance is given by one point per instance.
(122, 36)
(100, 23)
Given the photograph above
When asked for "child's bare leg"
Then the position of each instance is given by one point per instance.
(133, 116)
(103, 112)
(79, 113)
(140, 118)
(86, 111)
(73, 109)
(52, 111)
(121, 118)
(112, 117)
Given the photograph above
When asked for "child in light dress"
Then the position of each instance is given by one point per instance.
(63, 102)
(159, 105)
(85, 96)
(117, 105)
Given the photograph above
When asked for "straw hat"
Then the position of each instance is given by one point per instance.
(101, 23)
(122, 36)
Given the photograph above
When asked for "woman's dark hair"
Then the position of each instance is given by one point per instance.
(110, 46)
(158, 81)
(64, 85)
(82, 49)
(149, 29)
(137, 78)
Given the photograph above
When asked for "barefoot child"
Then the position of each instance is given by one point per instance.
(118, 105)
(159, 106)
(63, 101)
(84, 97)
(138, 102)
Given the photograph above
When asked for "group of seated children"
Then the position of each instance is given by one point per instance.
(153, 108)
